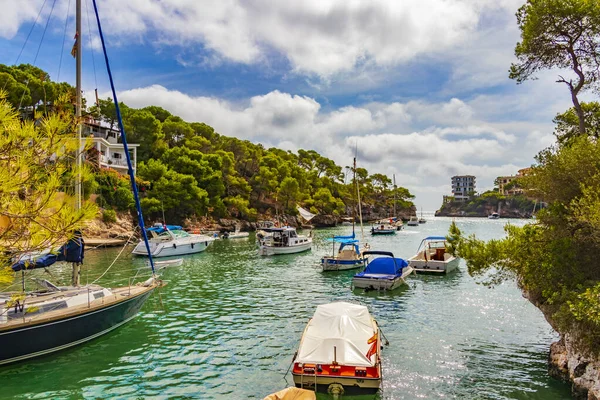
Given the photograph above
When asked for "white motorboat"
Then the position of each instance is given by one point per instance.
(433, 257)
(283, 240)
(494, 215)
(413, 221)
(382, 273)
(339, 351)
(384, 227)
(172, 240)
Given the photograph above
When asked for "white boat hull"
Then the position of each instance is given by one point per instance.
(265, 250)
(382, 282)
(433, 266)
(192, 246)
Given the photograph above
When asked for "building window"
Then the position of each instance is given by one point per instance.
(117, 155)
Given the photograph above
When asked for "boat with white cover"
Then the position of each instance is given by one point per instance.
(494, 215)
(172, 240)
(339, 351)
(283, 240)
(382, 273)
(433, 257)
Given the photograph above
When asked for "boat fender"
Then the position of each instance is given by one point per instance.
(148, 282)
(174, 245)
(192, 245)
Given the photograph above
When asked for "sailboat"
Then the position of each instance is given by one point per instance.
(421, 219)
(57, 317)
(388, 226)
(349, 255)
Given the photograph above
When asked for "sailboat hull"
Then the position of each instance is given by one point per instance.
(30, 340)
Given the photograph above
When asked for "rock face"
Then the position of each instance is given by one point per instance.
(567, 363)
(122, 229)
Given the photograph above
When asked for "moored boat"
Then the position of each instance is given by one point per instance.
(494, 215)
(413, 221)
(349, 255)
(172, 240)
(433, 257)
(235, 235)
(339, 351)
(283, 240)
(58, 317)
(383, 228)
(292, 393)
(382, 273)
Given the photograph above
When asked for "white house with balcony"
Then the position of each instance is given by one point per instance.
(463, 187)
(111, 153)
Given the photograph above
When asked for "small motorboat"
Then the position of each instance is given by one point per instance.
(172, 240)
(176, 262)
(339, 352)
(292, 393)
(433, 257)
(383, 228)
(382, 273)
(494, 215)
(283, 240)
(235, 235)
(413, 221)
(348, 256)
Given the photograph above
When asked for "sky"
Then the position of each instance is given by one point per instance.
(419, 88)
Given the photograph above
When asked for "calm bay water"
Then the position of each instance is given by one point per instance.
(229, 322)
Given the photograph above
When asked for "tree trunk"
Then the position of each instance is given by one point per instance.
(578, 111)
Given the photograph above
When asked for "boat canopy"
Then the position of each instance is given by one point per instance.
(161, 229)
(435, 238)
(344, 326)
(351, 243)
(340, 239)
(385, 266)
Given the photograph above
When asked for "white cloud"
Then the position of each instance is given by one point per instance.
(322, 37)
(392, 138)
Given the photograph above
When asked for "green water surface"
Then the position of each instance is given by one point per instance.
(228, 323)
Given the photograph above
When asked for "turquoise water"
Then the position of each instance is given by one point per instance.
(228, 323)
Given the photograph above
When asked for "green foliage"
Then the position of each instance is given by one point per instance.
(189, 169)
(37, 206)
(109, 216)
(114, 190)
(567, 123)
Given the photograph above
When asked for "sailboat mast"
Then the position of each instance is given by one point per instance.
(394, 176)
(78, 98)
(353, 197)
(75, 280)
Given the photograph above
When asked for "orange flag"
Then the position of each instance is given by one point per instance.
(372, 350)
(372, 339)
(74, 49)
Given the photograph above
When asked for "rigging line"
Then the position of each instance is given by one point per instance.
(25, 43)
(116, 258)
(91, 47)
(124, 140)
(44, 32)
(62, 49)
(38, 50)
(31, 30)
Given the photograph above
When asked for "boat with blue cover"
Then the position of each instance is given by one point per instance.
(433, 257)
(382, 273)
(349, 255)
(172, 240)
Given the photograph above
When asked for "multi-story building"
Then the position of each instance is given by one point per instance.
(510, 190)
(463, 187)
(110, 153)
